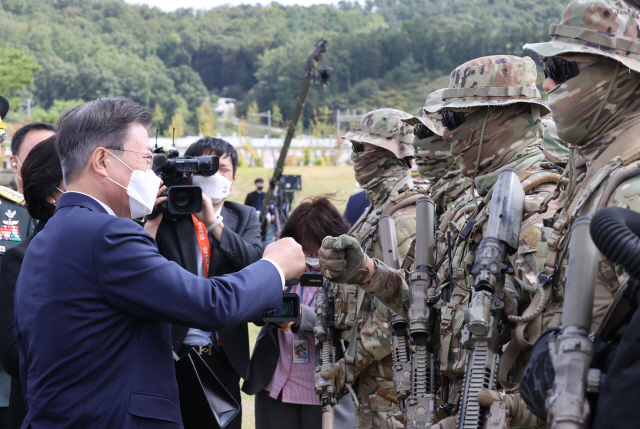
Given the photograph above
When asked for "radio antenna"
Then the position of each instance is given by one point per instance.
(174, 136)
(157, 130)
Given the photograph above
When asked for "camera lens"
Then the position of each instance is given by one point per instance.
(287, 308)
(184, 200)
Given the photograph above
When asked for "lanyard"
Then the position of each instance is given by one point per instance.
(203, 243)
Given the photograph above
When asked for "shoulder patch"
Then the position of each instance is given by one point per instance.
(12, 195)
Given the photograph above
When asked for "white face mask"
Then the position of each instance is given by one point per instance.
(142, 190)
(216, 187)
(312, 262)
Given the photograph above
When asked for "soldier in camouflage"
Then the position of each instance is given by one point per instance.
(498, 127)
(382, 157)
(592, 65)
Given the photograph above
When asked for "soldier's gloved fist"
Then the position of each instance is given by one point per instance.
(337, 371)
(521, 416)
(342, 259)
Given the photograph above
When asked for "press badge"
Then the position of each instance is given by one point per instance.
(300, 351)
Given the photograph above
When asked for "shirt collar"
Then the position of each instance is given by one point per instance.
(104, 206)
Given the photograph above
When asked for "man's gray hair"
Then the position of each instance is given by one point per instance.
(102, 123)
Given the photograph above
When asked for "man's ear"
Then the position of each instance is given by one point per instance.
(98, 161)
(13, 163)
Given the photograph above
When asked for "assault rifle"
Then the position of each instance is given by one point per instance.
(324, 333)
(414, 372)
(483, 318)
(399, 341)
(567, 405)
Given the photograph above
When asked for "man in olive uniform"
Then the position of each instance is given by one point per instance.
(492, 116)
(382, 155)
(16, 222)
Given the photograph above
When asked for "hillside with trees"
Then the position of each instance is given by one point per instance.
(385, 53)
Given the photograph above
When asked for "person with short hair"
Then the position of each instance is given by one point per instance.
(43, 186)
(231, 245)
(283, 363)
(95, 300)
(255, 198)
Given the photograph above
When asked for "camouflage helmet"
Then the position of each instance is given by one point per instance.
(496, 80)
(384, 128)
(432, 122)
(600, 27)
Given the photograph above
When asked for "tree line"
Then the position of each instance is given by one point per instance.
(384, 53)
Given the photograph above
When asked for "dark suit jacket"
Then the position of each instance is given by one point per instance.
(94, 303)
(252, 199)
(9, 353)
(241, 245)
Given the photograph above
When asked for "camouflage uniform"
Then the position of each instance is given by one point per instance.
(381, 172)
(512, 138)
(598, 112)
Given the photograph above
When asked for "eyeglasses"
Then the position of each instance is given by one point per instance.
(452, 119)
(421, 132)
(148, 156)
(357, 147)
(560, 70)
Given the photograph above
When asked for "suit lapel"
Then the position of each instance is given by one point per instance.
(188, 244)
(230, 219)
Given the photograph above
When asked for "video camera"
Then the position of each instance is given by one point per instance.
(291, 301)
(175, 171)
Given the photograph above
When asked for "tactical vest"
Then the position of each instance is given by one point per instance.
(465, 242)
(619, 162)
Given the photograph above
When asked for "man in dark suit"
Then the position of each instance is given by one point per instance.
(95, 299)
(254, 199)
(234, 243)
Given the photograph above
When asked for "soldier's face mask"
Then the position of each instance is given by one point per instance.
(452, 119)
(583, 106)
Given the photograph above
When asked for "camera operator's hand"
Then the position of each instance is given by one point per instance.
(288, 255)
(151, 225)
(343, 261)
(337, 371)
(208, 213)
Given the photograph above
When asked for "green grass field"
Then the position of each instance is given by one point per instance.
(339, 181)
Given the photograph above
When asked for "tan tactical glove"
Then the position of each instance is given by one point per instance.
(521, 416)
(338, 371)
(342, 260)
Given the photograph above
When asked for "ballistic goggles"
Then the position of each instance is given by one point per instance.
(421, 132)
(560, 70)
(452, 119)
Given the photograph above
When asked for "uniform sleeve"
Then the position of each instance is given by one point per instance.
(374, 342)
(135, 278)
(390, 287)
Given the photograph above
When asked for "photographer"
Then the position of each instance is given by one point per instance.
(95, 300)
(283, 360)
(231, 245)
